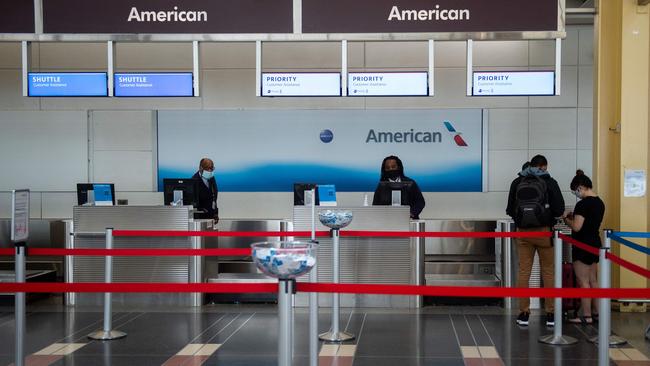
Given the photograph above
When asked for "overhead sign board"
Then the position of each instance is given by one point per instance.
(153, 85)
(515, 83)
(167, 16)
(388, 16)
(364, 84)
(67, 84)
(301, 84)
(17, 16)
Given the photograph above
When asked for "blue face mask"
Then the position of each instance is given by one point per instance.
(206, 174)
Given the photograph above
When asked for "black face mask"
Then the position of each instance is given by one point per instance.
(392, 174)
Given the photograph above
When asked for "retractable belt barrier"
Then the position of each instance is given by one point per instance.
(348, 288)
(604, 294)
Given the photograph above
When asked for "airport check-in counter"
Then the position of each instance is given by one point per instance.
(87, 230)
(368, 260)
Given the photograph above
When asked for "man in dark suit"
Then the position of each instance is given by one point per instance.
(208, 190)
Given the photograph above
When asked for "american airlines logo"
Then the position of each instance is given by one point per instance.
(456, 135)
(163, 16)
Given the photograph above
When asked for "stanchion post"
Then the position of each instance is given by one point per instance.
(605, 339)
(285, 341)
(557, 338)
(313, 296)
(19, 307)
(107, 334)
(604, 326)
(335, 335)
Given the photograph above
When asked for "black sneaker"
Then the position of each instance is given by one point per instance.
(522, 319)
(550, 319)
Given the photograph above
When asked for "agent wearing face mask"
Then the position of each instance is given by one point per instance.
(392, 170)
(208, 191)
(585, 225)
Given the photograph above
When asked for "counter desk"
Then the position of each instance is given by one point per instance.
(87, 230)
(368, 259)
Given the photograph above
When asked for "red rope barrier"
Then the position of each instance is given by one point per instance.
(377, 289)
(581, 245)
(177, 233)
(244, 252)
(349, 233)
(447, 234)
(7, 251)
(49, 287)
(628, 265)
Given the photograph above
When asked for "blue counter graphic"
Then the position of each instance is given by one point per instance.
(73, 84)
(269, 150)
(153, 85)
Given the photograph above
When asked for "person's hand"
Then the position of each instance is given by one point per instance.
(215, 219)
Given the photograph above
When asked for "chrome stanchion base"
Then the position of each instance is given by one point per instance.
(336, 337)
(613, 340)
(101, 335)
(562, 340)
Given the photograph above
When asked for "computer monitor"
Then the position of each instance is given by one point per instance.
(384, 192)
(299, 193)
(101, 194)
(181, 191)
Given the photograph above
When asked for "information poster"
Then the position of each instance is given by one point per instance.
(635, 183)
(20, 215)
(301, 84)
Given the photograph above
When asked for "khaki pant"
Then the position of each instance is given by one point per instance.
(526, 248)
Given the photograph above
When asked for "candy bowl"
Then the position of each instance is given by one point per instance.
(284, 259)
(335, 219)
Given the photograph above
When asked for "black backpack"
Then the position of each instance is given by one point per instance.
(531, 202)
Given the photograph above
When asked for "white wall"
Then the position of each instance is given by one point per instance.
(49, 144)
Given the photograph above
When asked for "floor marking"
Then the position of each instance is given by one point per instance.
(470, 352)
(488, 352)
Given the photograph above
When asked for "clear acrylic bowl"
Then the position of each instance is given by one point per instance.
(284, 259)
(335, 219)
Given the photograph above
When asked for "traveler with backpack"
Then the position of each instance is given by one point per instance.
(534, 201)
(584, 222)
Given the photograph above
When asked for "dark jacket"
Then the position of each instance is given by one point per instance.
(555, 199)
(207, 196)
(416, 199)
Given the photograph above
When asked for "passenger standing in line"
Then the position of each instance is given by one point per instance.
(585, 222)
(208, 190)
(534, 201)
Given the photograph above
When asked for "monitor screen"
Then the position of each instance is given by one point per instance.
(301, 84)
(299, 193)
(178, 84)
(67, 84)
(177, 189)
(104, 192)
(384, 192)
(513, 83)
(363, 84)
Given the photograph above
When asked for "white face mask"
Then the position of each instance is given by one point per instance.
(206, 174)
(577, 193)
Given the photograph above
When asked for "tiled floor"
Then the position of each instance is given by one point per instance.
(246, 335)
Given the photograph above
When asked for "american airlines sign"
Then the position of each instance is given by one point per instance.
(394, 16)
(167, 16)
(17, 16)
